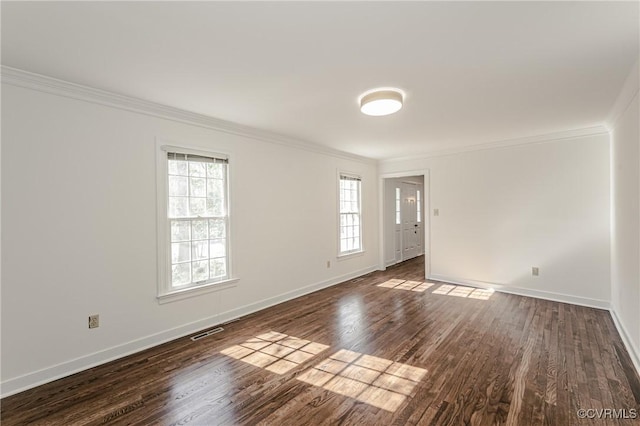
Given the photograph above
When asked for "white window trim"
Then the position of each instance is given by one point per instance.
(165, 293)
(356, 253)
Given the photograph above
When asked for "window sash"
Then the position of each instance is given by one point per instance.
(201, 256)
(350, 227)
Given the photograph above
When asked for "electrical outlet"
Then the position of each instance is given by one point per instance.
(535, 271)
(94, 321)
(328, 264)
(436, 212)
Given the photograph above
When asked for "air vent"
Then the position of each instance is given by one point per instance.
(207, 333)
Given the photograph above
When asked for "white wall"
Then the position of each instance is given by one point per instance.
(505, 210)
(79, 231)
(625, 211)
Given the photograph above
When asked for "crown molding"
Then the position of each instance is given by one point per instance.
(628, 92)
(508, 143)
(46, 84)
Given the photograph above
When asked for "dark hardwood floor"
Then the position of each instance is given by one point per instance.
(363, 354)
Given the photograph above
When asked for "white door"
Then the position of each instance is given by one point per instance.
(420, 228)
(411, 241)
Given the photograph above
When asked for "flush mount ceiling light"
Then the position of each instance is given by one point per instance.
(381, 102)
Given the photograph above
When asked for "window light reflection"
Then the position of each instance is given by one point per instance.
(398, 284)
(275, 352)
(375, 381)
(462, 291)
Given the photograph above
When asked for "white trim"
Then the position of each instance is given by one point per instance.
(190, 292)
(628, 92)
(349, 255)
(626, 340)
(58, 371)
(28, 80)
(538, 294)
(531, 140)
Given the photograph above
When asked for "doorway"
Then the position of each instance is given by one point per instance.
(403, 217)
(411, 220)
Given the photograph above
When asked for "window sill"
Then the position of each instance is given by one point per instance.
(186, 293)
(350, 255)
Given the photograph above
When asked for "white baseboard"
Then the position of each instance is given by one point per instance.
(634, 352)
(67, 368)
(538, 294)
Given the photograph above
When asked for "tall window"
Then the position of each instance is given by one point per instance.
(398, 218)
(197, 220)
(419, 207)
(350, 219)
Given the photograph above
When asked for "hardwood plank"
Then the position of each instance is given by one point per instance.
(400, 357)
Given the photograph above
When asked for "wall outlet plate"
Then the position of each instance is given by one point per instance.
(94, 321)
(535, 271)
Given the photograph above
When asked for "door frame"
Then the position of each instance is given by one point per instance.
(426, 216)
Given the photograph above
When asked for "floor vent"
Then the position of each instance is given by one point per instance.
(207, 333)
(357, 280)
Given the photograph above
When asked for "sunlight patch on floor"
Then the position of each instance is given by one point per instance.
(375, 381)
(462, 291)
(417, 286)
(275, 352)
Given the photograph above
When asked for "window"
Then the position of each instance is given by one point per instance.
(350, 217)
(419, 208)
(195, 249)
(398, 219)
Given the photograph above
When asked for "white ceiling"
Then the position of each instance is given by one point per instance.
(473, 73)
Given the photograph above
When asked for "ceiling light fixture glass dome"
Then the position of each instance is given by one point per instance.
(381, 102)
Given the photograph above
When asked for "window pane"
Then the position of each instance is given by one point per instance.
(198, 187)
(215, 188)
(197, 169)
(178, 185)
(180, 230)
(200, 271)
(197, 206)
(180, 252)
(218, 267)
(178, 168)
(217, 228)
(217, 248)
(216, 170)
(181, 274)
(200, 250)
(215, 207)
(199, 229)
(178, 207)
